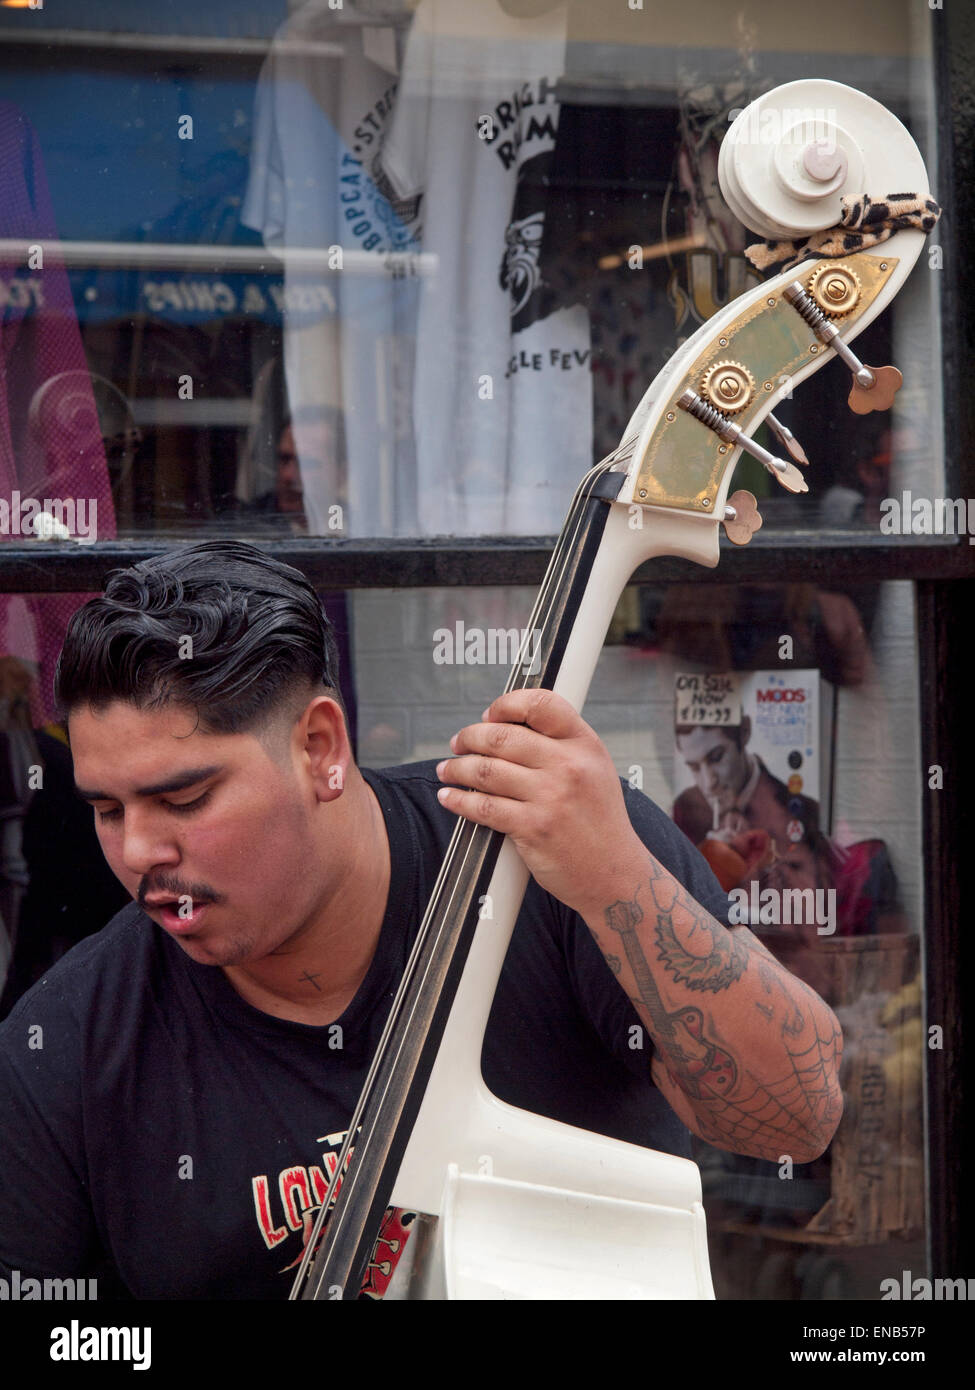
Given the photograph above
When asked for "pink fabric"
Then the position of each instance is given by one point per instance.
(855, 906)
(50, 440)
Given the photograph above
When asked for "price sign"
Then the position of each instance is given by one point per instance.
(707, 698)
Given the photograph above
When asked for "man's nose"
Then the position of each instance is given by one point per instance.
(288, 470)
(147, 843)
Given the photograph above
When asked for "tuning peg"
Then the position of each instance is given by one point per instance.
(785, 473)
(788, 440)
(887, 381)
(741, 518)
(874, 388)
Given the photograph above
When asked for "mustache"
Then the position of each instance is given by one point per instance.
(165, 883)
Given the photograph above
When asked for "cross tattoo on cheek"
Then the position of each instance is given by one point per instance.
(311, 980)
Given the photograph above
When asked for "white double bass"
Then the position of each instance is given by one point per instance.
(558, 1212)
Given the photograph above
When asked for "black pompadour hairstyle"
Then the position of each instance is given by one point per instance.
(256, 627)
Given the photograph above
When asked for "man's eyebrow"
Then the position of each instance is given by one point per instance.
(179, 783)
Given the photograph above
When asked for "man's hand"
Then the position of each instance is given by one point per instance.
(543, 777)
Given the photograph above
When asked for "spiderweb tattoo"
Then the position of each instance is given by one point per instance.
(732, 1107)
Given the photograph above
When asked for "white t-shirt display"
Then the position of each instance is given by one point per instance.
(324, 98)
(503, 389)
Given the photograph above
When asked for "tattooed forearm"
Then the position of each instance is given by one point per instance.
(774, 1088)
(794, 1019)
(703, 1068)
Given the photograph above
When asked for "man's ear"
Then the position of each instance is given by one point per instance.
(324, 745)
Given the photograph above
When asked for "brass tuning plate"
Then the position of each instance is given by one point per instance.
(683, 462)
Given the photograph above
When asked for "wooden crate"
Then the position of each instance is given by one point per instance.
(877, 1155)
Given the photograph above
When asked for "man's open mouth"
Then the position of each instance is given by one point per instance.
(178, 914)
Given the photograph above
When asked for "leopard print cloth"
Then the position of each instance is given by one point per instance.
(863, 222)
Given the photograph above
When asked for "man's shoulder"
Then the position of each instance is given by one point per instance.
(412, 784)
(417, 784)
(419, 781)
(638, 803)
(425, 771)
(663, 835)
(112, 958)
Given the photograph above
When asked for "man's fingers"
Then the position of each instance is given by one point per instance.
(511, 742)
(496, 812)
(542, 710)
(491, 775)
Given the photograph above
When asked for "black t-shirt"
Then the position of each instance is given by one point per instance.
(158, 1129)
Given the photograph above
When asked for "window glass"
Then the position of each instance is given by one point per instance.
(405, 267)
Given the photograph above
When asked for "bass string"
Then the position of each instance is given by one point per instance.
(545, 600)
(464, 831)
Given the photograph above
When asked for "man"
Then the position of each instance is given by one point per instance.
(735, 792)
(174, 1088)
(322, 469)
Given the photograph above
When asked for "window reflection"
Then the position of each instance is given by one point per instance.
(464, 237)
(816, 878)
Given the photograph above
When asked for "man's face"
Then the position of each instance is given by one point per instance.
(210, 833)
(288, 493)
(719, 766)
(308, 461)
